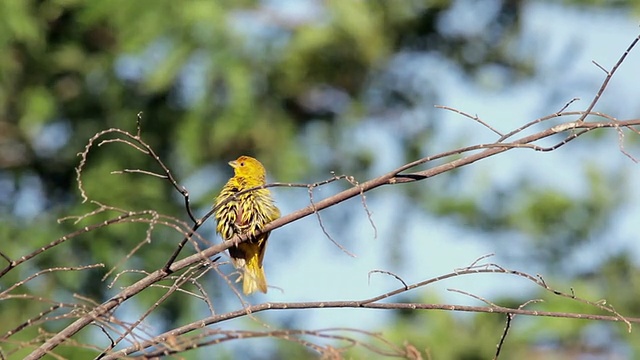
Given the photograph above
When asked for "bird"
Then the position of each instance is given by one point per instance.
(246, 213)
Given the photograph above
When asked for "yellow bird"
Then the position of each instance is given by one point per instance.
(247, 213)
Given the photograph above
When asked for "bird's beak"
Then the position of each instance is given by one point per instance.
(233, 164)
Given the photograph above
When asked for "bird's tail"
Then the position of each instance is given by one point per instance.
(253, 278)
(247, 257)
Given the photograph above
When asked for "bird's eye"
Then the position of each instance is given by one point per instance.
(242, 163)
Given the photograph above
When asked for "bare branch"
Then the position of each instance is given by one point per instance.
(387, 273)
(605, 83)
(507, 326)
(138, 171)
(475, 297)
(59, 241)
(363, 197)
(324, 230)
(472, 117)
(567, 105)
(46, 271)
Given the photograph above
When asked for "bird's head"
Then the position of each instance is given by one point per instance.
(249, 168)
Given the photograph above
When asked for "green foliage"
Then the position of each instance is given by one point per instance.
(216, 79)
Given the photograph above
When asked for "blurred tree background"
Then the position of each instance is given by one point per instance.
(308, 87)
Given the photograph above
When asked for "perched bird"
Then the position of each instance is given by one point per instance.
(246, 213)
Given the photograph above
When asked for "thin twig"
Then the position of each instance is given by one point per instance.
(605, 83)
(505, 331)
(387, 273)
(472, 117)
(324, 230)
